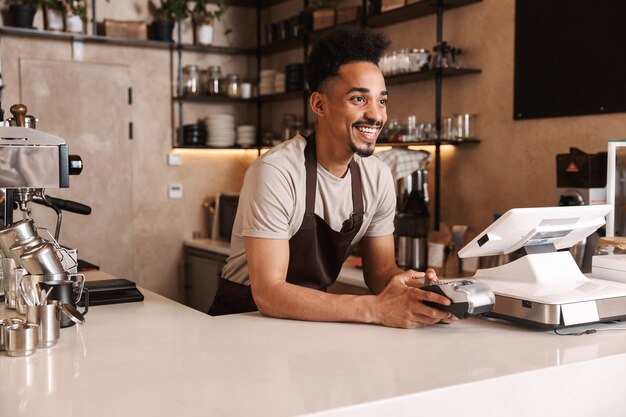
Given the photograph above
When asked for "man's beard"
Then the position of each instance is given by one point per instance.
(364, 153)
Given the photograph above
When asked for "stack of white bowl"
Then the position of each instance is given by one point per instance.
(267, 82)
(279, 83)
(246, 135)
(221, 130)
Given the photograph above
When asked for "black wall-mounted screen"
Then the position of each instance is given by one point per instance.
(570, 58)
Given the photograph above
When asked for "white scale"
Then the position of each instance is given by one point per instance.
(545, 287)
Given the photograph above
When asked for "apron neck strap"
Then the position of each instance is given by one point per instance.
(310, 163)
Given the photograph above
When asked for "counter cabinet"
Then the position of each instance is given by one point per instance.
(202, 274)
(203, 263)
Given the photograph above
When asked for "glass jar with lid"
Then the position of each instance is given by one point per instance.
(233, 85)
(191, 80)
(418, 59)
(204, 82)
(214, 80)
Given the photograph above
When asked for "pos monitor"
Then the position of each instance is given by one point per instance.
(520, 228)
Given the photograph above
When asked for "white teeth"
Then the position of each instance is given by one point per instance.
(367, 130)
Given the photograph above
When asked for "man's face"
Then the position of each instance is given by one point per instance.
(357, 106)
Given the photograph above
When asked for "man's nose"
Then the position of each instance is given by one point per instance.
(374, 113)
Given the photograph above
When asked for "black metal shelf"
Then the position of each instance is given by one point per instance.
(428, 75)
(281, 46)
(213, 99)
(252, 3)
(212, 49)
(292, 95)
(409, 12)
(45, 34)
(414, 11)
(218, 148)
(431, 142)
(289, 95)
(295, 43)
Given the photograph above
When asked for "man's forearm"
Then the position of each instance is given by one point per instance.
(285, 300)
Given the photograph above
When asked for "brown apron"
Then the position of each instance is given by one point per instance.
(316, 252)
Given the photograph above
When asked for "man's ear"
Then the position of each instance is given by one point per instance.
(318, 104)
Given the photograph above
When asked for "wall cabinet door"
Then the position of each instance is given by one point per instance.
(202, 274)
(87, 105)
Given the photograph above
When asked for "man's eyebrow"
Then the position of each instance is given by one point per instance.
(364, 90)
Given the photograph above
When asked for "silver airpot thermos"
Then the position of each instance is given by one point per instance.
(412, 220)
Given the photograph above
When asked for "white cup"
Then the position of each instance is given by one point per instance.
(246, 90)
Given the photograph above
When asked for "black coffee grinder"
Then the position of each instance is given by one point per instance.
(581, 180)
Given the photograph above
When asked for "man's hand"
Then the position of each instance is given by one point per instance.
(400, 303)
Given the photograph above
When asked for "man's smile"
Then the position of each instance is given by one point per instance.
(368, 133)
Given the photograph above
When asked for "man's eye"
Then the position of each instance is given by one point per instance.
(358, 99)
(383, 101)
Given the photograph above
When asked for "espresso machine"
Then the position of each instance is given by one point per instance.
(412, 220)
(32, 161)
(581, 181)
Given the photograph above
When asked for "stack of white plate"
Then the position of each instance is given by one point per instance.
(221, 130)
(246, 135)
(279, 83)
(266, 85)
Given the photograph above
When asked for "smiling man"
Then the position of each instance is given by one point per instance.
(304, 203)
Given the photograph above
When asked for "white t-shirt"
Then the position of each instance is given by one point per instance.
(273, 195)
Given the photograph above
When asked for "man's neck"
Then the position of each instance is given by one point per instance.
(333, 158)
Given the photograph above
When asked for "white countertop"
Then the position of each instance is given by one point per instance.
(159, 358)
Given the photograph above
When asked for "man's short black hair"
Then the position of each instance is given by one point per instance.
(340, 46)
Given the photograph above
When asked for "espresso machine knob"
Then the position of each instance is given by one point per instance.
(19, 114)
(75, 164)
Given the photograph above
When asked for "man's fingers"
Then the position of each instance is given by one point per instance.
(430, 296)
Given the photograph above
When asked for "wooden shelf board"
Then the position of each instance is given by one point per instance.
(430, 142)
(414, 11)
(428, 75)
(223, 50)
(214, 99)
(252, 3)
(45, 34)
(65, 36)
(290, 95)
(207, 147)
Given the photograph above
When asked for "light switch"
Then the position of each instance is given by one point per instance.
(174, 159)
(78, 50)
(175, 191)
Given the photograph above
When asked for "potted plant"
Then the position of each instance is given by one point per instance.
(75, 15)
(319, 14)
(22, 12)
(168, 12)
(53, 15)
(203, 18)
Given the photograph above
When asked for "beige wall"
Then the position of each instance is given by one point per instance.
(513, 166)
(159, 225)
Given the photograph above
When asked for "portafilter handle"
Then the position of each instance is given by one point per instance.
(19, 114)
